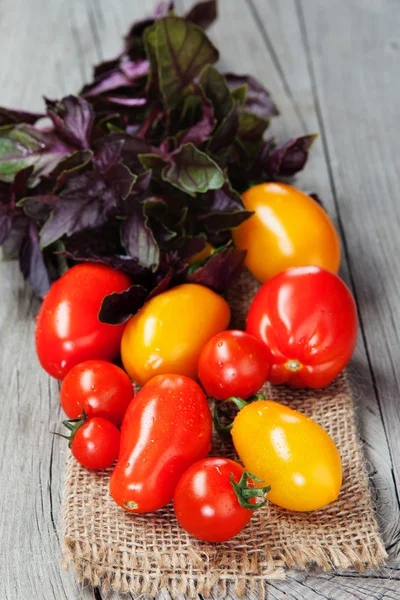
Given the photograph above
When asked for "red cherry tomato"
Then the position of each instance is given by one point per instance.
(233, 363)
(165, 429)
(98, 388)
(68, 330)
(95, 444)
(307, 318)
(206, 504)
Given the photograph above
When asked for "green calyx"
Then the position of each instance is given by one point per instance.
(244, 493)
(73, 426)
(239, 403)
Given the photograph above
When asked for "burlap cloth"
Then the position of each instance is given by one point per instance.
(145, 553)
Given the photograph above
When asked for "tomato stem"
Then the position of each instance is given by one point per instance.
(244, 493)
(239, 403)
(73, 426)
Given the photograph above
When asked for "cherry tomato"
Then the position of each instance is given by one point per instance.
(288, 229)
(291, 452)
(97, 387)
(307, 318)
(68, 330)
(233, 363)
(165, 429)
(95, 443)
(169, 332)
(208, 505)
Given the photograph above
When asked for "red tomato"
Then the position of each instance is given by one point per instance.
(95, 443)
(98, 388)
(165, 429)
(307, 318)
(205, 501)
(233, 363)
(68, 330)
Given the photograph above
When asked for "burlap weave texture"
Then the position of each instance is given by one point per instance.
(145, 553)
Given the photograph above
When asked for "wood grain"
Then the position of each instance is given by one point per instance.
(333, 67)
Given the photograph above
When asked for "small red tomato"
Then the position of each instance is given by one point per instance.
(95, 443)
(165, 429)
(98, 388)
(233, 363)
(208, 505)
(68, 330)
(307, 318)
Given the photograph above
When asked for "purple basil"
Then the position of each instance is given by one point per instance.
(290, 158)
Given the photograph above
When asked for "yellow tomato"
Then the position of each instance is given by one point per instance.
(290, 452)
(288, 229)
(169, 332)
(202, 255)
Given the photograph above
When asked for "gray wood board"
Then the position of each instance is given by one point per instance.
(332, 67)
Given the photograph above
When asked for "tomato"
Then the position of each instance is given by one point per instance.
(95, 443)
(169, 332)
(288, 229)
(97, 387)
(165, 429)
(233, 363)
(208, 505)
(290, 452)
(68, 330)
(307, 318)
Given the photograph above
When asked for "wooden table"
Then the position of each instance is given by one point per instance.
(332, 66)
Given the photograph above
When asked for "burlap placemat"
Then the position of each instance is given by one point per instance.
(145, 553)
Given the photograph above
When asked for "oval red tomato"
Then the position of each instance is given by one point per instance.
(98, 388)
(95, 443)
(233, 363)
(68, 330)
(307, 318)
(165, 429)
(205, 502)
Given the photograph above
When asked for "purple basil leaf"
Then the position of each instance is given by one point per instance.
(106, 66)
(141, 184)
(161, 219)
(73, 119)
(193, 171)
(223, 199)
(220, 270)
(6, 212)
(217, 91)
(201, 131)
(251, 126)
(178, 51)
(138, 239)
(258, 99)
(162, 285)
(24, 146)
(163, 9)
(290, 158)
(225, 133)
(124, 74)
(20, 183)
(116, 308)
(15, 237)
(131, 150)
(191, 245)
(12, 117)
(216, 222)
(203, 13)
(32, 261)
(108, 155)
(122, 101)
(121, 178)
(69, 166)
(38, 208)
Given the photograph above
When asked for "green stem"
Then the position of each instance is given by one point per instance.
(239, 403)
(244, 493)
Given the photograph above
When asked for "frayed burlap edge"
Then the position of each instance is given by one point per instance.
(144, 554)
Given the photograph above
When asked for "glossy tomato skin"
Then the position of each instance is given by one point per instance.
(290, 452)
(233, 363)
(307, 319)
(165, 429)
(288, 229)
(68, 330)
(205, 503)
(169, 332)
(98, 388)
(95, 444)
